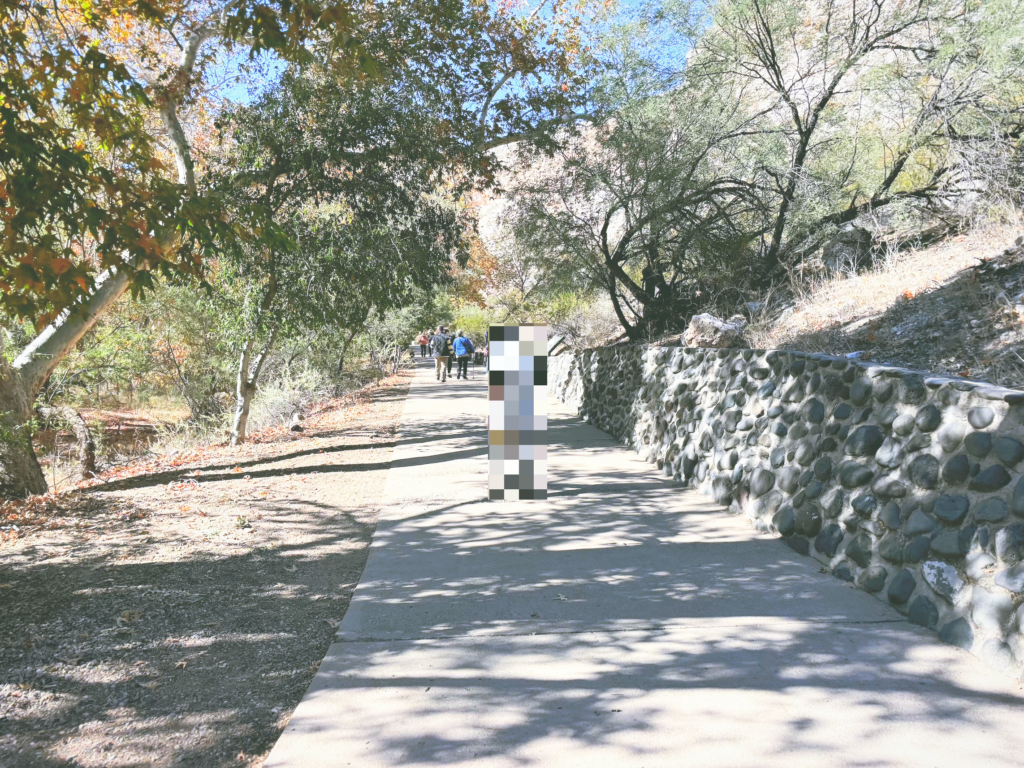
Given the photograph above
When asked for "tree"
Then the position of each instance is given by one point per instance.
(789, 119)
(122, 219)
(350, 177)
(855, 103)
(645, 196)
(88, 211)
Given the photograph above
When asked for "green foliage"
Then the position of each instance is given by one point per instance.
(474, 321)
(747, 133)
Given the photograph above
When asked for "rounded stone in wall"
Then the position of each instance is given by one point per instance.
(883, 391)
(891, 548)
(928, 418)
(917, 549)
(1008, 450)
(887, 416)
(768, 504)
(951, 508)
(980, 417)
(918, 442)
(872, 579)
(903, 424)
(1012, 579)
(991, 479)
(784, 521)
(854, 475)
(832, 504)
(1010, 544)
(951, 435)
(864, 504)
(864, 441)
(924, 471)
(808, 520)
(919, 523)
(947, 545)
(957, 469)
(805, 453)
(991, 610)
(890, 454)
(778, 457)
(823, 469)
(859, 550)
(863, 415)
(860, 390)
(827, 542)
(889, 487)
(959, 633)
(842, 572)
(912, 389)
(923, 612)
(902, 587)
(789, 479)
(991, 511)
(798, 544)
(761, 481)
(842, 411)
(813, 411)
(890, 516)
(1017, 504)
(831, 385)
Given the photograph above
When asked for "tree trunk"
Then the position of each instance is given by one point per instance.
(248, 376)
(86, 446)
(20, 382)
(243, 396)
(20, 473)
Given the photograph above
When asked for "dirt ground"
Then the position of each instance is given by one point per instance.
(174, 612)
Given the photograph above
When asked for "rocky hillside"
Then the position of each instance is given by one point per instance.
(956, 307)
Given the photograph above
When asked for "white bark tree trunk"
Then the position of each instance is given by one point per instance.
(20, 382)
(245, 388)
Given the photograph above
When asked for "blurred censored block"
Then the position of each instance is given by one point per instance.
(517, 410)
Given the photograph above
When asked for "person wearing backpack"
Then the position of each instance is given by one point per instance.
(440, 348)
(464, 350)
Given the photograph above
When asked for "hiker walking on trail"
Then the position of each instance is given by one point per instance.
(440, 348)
(423, 341)
(464, 350)
(451, 353)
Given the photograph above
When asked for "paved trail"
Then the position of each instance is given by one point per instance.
(620, 623)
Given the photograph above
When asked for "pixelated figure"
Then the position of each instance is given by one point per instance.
(517, 412)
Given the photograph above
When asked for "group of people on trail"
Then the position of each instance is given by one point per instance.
(446, 348)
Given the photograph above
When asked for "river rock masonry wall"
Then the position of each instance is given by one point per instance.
(908, 485)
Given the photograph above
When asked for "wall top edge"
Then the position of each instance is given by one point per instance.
(982, 389)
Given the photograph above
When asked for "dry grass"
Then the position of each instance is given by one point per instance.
(830, 309)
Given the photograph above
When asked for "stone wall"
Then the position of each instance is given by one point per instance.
(906, 484)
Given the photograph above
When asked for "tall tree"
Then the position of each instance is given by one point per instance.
(76, 62)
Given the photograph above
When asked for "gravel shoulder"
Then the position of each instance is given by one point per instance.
(175, 613)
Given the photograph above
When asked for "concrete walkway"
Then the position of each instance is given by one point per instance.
(621, 623)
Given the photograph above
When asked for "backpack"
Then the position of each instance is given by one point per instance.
(463, 346)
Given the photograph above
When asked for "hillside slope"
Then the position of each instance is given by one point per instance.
(955, 307)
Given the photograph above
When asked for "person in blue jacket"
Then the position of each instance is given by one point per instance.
(463, 353)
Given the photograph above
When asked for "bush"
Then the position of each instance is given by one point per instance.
(287, 394)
